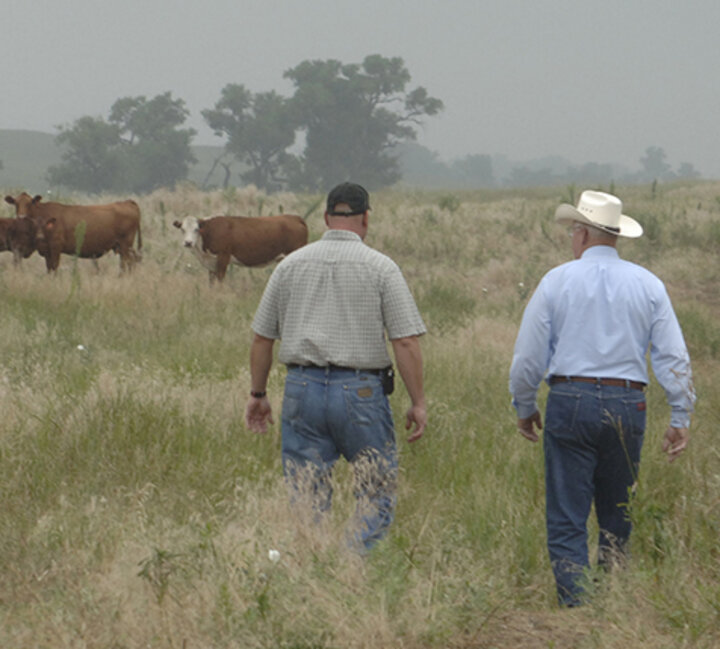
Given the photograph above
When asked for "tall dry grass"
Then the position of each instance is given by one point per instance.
(138, 511)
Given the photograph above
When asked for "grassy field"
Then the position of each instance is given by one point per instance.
(137, 511)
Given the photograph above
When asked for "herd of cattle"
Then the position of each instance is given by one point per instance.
(90, 231)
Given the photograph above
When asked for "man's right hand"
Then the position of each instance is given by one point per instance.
(257, 414)
(417, 416)
(675, 442)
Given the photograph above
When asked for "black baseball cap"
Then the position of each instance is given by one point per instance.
(351, 194)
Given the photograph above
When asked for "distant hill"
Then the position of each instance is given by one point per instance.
(26, 156)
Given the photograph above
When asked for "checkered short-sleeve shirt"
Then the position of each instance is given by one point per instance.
(333, 301)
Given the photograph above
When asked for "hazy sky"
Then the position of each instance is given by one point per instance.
(588, 80)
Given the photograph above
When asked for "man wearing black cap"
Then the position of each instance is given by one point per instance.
(332, 303)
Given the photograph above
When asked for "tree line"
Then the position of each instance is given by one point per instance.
(347, 118)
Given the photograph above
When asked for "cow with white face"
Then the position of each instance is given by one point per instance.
(191, 231)
(190, 227)
(242, 240)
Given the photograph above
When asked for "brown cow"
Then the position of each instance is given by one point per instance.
(60, 227)
(17, 236)
(242, 240)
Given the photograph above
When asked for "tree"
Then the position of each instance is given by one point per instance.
(654, 165)
(157, 153)
(525, 176)
(259, 129)
(90, 159)
(227, 168)
(422, 167)
(475, 170)
(139, 148)
(687, 170)
(591, 173)
(353, 115)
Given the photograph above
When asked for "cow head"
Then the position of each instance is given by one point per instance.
(22, 237)
(190, 227)
(24, 204)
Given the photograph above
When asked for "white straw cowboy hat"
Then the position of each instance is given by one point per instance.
(602, 211)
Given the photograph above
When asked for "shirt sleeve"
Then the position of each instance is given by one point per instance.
(531, 355)
(671, 362)
(400, 313)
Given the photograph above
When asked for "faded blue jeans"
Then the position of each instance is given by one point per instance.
(592, 441)
(327, 414)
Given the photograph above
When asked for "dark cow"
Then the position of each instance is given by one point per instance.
(5, 233)
(100, 228)
(17, 236)
(242, 240)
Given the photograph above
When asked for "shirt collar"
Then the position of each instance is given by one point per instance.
(607, 252)
(341, 235)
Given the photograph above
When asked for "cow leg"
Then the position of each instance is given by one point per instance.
(128, 255)
(126, 260)
(52, 261)
(221, 264)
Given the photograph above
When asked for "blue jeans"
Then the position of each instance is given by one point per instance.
(331, 413)
(592, 441)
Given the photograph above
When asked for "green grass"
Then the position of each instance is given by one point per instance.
(138, 511)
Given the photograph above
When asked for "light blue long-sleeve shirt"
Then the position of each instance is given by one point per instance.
(597, 316)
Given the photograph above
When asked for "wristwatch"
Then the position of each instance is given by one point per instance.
(258, 395)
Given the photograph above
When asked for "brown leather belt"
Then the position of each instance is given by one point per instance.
(618, 383)
(333, 368)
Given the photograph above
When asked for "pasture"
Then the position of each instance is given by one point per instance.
(137, 511)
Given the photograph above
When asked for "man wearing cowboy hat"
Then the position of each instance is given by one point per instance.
(586, 330)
